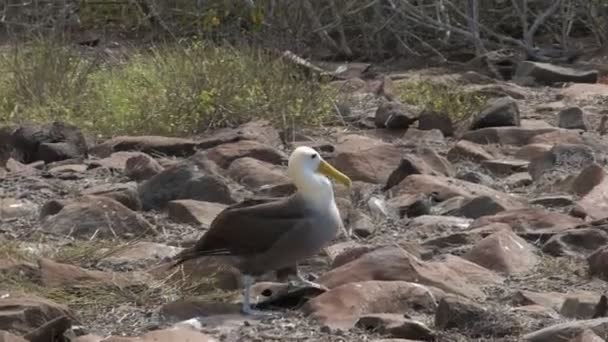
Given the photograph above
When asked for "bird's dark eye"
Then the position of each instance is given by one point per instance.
(313, 156)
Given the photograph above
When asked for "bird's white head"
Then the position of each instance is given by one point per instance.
(310, 174)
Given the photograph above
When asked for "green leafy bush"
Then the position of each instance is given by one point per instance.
(444, 98)
(171, 90)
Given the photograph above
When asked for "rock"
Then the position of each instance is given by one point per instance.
(189, 308)
(87, 338)
(532, 151)
(501, 167)
(503, 252)
(443, 188)
(141, 167)
(394, 115)
(477, 207)
(5, 336)
(123, 194)
(255, 173)
(182, 181)
(116, 161)
(552, 300)
(537, 312)
(396, 325)
(476, 178)
(22, 314)
(207, 188)
(11, 208)
(530, 220)
(416, 137)
(342, 306)
(545, 73)
(468, 151)
(563, 332)
(194, 212)
(97, 217)
(580, 306)
(454, 312)
(598, 263)
(561, 159)
(556, 201)
(498, 112)
(594, 202)
(571, 118)
(343, 252)
(589, 177)
(54, 274)
(587, 336)
(518, 180)
(169, 334)
(365, 159)
(410, 165)
(363, 226)
(150, 144)
(576, 242)
(436, 161)
(260, 131)
(223, 155)
(453, 275)
(140, 254)
(516, 136)
(472, 319)
(561, 136)
(433, 120)
(49, 143)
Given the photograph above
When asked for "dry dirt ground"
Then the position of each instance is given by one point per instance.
(502, 229)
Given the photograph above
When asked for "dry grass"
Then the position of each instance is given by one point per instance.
(176, 89)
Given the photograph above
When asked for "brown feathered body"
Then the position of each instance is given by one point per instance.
(267, 234)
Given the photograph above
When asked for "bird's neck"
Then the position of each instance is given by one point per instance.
(316, 190)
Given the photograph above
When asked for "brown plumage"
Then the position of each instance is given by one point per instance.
(275, 234)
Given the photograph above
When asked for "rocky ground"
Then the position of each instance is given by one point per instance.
(493, 229)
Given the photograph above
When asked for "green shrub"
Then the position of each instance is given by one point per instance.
(172, 90)
(444, 98)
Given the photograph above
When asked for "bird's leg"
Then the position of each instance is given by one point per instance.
(246, 307)
(300, 281)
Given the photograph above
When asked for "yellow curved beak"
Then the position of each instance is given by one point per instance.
(326, 169)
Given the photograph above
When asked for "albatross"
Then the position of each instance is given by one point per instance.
(274, 235)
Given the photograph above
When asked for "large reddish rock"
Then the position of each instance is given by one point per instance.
(342, 306)
(598, 263)
(148, 144)
(518, 136)
(453, 275)
(169, 334)
(468, 151)
(54, 274)
(595, 201)
(194, 212)
(532, 151)
(445, 188)
(503, 252)
(530, 220)
(564, 332)
(261, 131)
(223, 155)
(366, 159)
(412, 164)
(141, 167)
(396, 325)
(589, 177)
(21, 314)
(97, 217)
(5, 336)
(255, 173)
